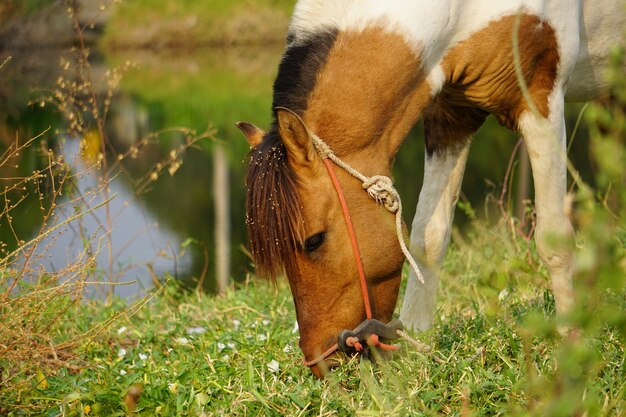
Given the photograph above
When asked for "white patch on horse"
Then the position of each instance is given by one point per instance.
(436, 80)
(602, 28)
(546, 142)
(433, 28)
(430, 233)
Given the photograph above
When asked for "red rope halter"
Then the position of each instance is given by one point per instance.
(355, 245)
(373, 339)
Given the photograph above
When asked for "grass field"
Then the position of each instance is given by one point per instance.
(494, 350)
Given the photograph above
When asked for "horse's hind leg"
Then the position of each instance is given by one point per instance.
(546, 143)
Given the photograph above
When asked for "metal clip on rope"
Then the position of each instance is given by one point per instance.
(369, 333)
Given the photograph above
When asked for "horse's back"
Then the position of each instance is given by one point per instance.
(586, 30)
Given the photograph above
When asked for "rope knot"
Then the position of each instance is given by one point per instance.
(378, 187)
(381, 189)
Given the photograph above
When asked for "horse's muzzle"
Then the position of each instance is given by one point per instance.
(370, 333)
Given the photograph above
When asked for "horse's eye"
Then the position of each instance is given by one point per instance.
(314, 242)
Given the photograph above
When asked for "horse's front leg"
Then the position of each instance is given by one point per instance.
(448, 131)
(430, 233)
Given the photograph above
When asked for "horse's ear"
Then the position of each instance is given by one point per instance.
(253, 134)
(295, 135)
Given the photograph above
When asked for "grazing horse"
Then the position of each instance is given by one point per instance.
(355, 77)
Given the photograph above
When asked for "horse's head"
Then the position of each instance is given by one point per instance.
(296, 226)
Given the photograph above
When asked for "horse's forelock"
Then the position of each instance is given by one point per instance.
(273, 210)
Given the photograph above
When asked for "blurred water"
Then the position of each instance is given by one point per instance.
(142, 250)
(159, 225)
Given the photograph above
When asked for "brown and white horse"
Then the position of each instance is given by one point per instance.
(358, 74)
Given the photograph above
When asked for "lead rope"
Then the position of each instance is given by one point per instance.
(381, 189)
(378, 187)
(373, 339)
(355, 245)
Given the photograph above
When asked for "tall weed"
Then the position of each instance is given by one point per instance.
(36, 297)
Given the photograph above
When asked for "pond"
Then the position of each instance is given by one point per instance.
(177, 199)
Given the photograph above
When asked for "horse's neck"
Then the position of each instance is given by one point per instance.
(368, 94)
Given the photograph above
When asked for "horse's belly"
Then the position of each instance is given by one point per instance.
(602, 27)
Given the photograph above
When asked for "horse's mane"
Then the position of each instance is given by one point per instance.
(273, 210)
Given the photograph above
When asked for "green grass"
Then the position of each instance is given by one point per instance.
(494, 350)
